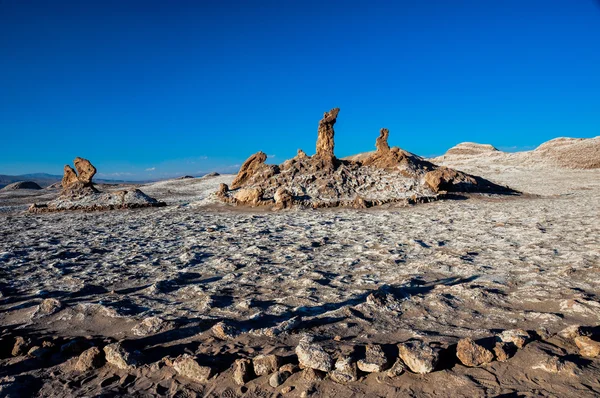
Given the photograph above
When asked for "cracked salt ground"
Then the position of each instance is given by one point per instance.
(159, 279)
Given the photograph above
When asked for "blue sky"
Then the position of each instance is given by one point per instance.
(149, 89)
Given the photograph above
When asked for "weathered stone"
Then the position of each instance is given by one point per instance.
(248, 196)
(444, 179)
(38, 352)
(418, 356)
(21, 346)
(85, 170)
(69, 177)
(248, 169)
(311, 355)
(283, 199)
(345, 371)
(502, 351)
(587, 347)
(518, 337)
(570, 332)
(311, 375)
(375, 359)
(382, 141)
(287, 389)
(242, 371)
(265, 364)
(554, 364)
(472, 354)
(397, 368)
(289, 367)
(223, 331)
(91, 358)
(223, 189)
(187, 366)
(325, 137)
(278, 378)
(151, 325)
(116, 355)
(47, 307)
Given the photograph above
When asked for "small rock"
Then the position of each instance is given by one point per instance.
(287, 389)
(345, 371)
(397, 368)
(375, 359)
(553, 364)
(21, 346)
(242, 372)
(472, 354)
(289, 367)
(187, 366)
(310, 374)
(571, 332)
(418, 356)
(278, 378)
(518, 337)
(91, 358)
(150, 325)
(265, 364)
(587, 347)
(223, 331)
(48, 307)
(501, 351)
(119, 357)
(311, 355)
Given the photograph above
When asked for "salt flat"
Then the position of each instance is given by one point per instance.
(436, 272)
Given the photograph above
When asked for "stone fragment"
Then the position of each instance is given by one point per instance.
(311, 355)
(69, 177)
(502, 351)
(249, 196)
(287, 389)
(91, 358)
(242, 371)
(518, 337)
(587, 347)
(326, 133)
(223, 331)
(21, 346)
(223, 189)
(116, 355)
(48, 307)
(283, 199)
(345, 371)
(375, 359)
(278, 378)
(554, 364)
(187, 366)
(265, 364)
(418, 356)
(311, 375)
(248, 169)
(397, 368)
(472, 354)
(289, 367)
(570, 332)
(150, 325)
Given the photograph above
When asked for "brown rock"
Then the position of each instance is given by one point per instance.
(311, 355)
(223, 189)
(249, 168)
(21, 346)
(301, 155)
(278, 378)
(242, 371)
(85, 170)
(91, 358)
(381, 143)
(397, 369)
(418, 356)
(587, 347)
(310, 374)
(375, 359)
(283, 199)
(472, 354)
(444, 179)
(249, 196)
(116, 355)
(265, 364)
(69, 177)
(223, 331)
(289, 367)
(187, 366)
(518, 337)
(345, 371)
(502, 352)
(325, 135)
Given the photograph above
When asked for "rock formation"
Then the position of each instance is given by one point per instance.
(388, 175)
(79, 193)
(16, 186)
(325, 136)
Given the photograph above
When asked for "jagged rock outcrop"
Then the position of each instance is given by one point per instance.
(388, 175)
(79, 193)
(325, 141)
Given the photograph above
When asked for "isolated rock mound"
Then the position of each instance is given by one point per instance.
(384, 176)
(572, 153)
(471, 148)
(15, 186)
(79, 193)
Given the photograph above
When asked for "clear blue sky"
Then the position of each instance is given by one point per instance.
(147, 89)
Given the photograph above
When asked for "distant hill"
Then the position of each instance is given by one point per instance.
(45, 179)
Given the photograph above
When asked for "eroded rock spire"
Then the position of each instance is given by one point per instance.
(325, 138)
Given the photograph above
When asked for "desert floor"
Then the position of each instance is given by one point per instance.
(436, 272)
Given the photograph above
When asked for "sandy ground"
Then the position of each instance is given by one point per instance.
(436, 272)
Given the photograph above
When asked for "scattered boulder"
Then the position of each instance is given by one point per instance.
(501, 350)
(571, 332)
(116, 355)
(472, 354)
(47, 307)
(265, 364)
(249, 196)
(418, 356)
(345, 371)
(151, 325)
(587, 347)
(278, 378)
(397, 368)
(187, 366)
(375, 359)
(21, 346)
(313, 356)
(223, 331)
(91, 358)
(518, 337)
(242, 371)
